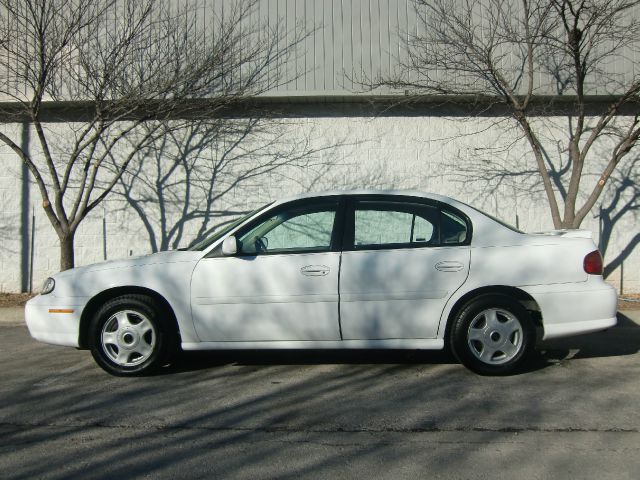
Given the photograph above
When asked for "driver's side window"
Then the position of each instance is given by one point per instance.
(299, 230)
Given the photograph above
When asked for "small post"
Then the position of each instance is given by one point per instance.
(31, 253)
(104, 234)
(600, 232)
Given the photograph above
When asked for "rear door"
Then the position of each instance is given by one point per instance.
(402, 262)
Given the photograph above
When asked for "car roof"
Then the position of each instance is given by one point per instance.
(356, 192)
(487, 231)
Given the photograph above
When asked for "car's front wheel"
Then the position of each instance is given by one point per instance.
(492, 335)
(130, 336)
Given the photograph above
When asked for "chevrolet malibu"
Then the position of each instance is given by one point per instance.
(359, 270)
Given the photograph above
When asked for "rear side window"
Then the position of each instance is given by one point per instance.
(379, 224)
(454, 228)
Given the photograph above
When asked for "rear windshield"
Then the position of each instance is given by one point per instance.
(497, 220)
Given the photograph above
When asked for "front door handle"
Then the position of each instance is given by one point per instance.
(315, 270)
(449, 266)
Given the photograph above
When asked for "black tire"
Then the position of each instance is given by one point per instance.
(130, 335)
(492, 335)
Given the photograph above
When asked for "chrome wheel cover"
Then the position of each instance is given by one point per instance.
(128, 338)
(495, 336)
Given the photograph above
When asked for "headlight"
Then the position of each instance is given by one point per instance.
(48, 286)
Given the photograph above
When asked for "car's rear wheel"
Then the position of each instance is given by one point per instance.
(492, 335)
(130, 335)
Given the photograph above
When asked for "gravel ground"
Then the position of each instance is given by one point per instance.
(572, 413)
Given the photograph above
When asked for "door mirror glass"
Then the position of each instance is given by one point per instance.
(230, 246)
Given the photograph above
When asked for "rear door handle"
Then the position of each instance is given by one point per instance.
(315, 270)
(448, 266)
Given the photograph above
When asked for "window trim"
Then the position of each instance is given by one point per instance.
(348, 241)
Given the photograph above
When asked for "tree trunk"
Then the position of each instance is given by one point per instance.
(67, 259)
(568, 225)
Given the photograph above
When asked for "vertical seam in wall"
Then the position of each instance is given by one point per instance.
(339, 303)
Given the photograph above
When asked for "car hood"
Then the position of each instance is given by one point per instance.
(172, 256)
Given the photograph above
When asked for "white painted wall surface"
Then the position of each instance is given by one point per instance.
(425, 153)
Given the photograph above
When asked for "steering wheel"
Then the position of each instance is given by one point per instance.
(261, 244)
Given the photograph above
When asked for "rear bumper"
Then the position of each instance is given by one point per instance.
(573, 309)
(574, 328)
(54, 320)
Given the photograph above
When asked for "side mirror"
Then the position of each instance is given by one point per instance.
(230, 246)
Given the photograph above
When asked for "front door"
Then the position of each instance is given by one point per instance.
(281, 286)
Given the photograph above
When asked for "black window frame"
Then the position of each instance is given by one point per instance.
(348, 241)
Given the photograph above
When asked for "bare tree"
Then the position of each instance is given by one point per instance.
(133, 65)
(519, 58)
(181, 192)
(200, 178)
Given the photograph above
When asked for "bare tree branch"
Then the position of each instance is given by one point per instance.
(135, 62)
(516, 53)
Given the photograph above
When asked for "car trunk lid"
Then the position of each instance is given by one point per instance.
(579, 233)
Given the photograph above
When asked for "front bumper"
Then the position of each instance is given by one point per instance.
(576, 308)
(54, 320)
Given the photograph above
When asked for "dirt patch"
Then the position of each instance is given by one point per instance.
(14, 299)
(630, 301)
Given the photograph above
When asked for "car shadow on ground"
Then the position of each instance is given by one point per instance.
(623, 339)
(190, 361)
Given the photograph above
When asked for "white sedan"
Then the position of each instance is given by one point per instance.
(361, 269)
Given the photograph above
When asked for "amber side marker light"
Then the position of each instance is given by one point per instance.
(593, 263)
(61, 310)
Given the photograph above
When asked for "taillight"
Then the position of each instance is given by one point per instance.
(593, 263)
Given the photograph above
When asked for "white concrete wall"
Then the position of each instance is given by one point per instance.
(431, 154)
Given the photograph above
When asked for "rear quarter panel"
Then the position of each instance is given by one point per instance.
(504, 258)
(533, 261)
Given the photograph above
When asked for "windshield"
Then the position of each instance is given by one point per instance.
(204, 243)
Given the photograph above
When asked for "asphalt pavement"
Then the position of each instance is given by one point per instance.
(574, 413)
(12, 316)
